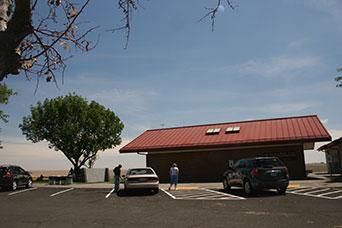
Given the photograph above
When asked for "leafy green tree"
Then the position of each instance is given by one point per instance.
(5, 93)
(339, 78)
(74, 126)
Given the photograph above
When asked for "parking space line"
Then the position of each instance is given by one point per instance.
(25, 190)
(61, 192)
(198, 195)
(168, 194)
(297, 189)
(302, 190)
(320, 190)
(111, 191)
(328, 193)
(225, 194)
(201, 194)
(323, 197)
(338, 197)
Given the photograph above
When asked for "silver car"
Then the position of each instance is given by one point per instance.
(141, 178)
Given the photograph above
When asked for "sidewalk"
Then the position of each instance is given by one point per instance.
(314, 181)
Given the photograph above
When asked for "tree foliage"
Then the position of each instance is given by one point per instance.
(74, 126)
(338, 79)
(36, 36)
(5, 93)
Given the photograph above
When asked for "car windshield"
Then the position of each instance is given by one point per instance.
(270, 162)
(140, 171)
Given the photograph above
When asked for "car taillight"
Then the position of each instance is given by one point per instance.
(255, 172)
(8, 174)
(286, 172)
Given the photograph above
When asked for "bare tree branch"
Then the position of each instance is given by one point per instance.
(212, 12)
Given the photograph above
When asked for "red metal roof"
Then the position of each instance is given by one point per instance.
(253, 132)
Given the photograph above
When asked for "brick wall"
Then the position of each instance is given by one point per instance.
(208, 166)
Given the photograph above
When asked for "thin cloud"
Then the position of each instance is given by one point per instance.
(278, 108)
(278, 66)
(128, 102)
(330, 7)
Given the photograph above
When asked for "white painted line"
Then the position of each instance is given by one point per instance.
(323, 197)
(167, 193)
(297, 189)
(111, 191)
(26, 190)
(224, 194)
(197, 195)
(303, 190)
(60, 192)
(206, 198)
(338, 197)
(320, 190)
(189, 194)
(328, 193)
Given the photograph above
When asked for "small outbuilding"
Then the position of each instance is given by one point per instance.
(203, 152)
(333, 155)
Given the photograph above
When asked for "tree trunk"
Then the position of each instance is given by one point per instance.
(12, 33)
(78, 174)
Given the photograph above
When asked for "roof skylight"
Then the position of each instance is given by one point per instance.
(213, 131)
(234, 129)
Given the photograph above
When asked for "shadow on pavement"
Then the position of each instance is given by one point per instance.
(334, 179)
(136, 192)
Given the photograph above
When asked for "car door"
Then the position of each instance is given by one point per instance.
(24, 176)
(16, 175)
(233, 173)
(240, 172)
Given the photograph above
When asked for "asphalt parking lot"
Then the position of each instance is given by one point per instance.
(81, 207)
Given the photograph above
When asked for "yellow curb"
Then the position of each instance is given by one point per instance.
(293, 186)
(187, 188)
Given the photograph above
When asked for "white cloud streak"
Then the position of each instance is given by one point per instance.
(330, 7)
(280, 66)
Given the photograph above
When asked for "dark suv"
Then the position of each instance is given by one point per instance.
(12, 177)
(257, 174)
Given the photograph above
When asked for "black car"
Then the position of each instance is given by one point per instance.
(13, 177)
(256, 174)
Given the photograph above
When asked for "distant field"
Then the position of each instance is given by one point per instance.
(46, 173)
(316, 167)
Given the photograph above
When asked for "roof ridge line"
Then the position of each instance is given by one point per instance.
(234, 122)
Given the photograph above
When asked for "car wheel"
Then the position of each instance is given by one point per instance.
(226, 185)
(14, 186)
(29, 183)
(247, 187)
(281, 191)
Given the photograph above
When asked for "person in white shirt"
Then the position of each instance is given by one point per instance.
(174, 171)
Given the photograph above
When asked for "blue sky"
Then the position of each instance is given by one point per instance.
(265, 59)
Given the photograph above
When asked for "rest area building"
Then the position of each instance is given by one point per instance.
(203, 152)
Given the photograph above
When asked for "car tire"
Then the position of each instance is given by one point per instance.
(14, 186)
(247, 187)
(29, 183)
(281, 191)
(226, 185)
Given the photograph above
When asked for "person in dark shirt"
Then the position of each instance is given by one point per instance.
(117, 175)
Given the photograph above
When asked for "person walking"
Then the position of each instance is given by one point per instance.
(117, 176)
(174, 171)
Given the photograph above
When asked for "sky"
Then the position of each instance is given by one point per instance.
(265, 59)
